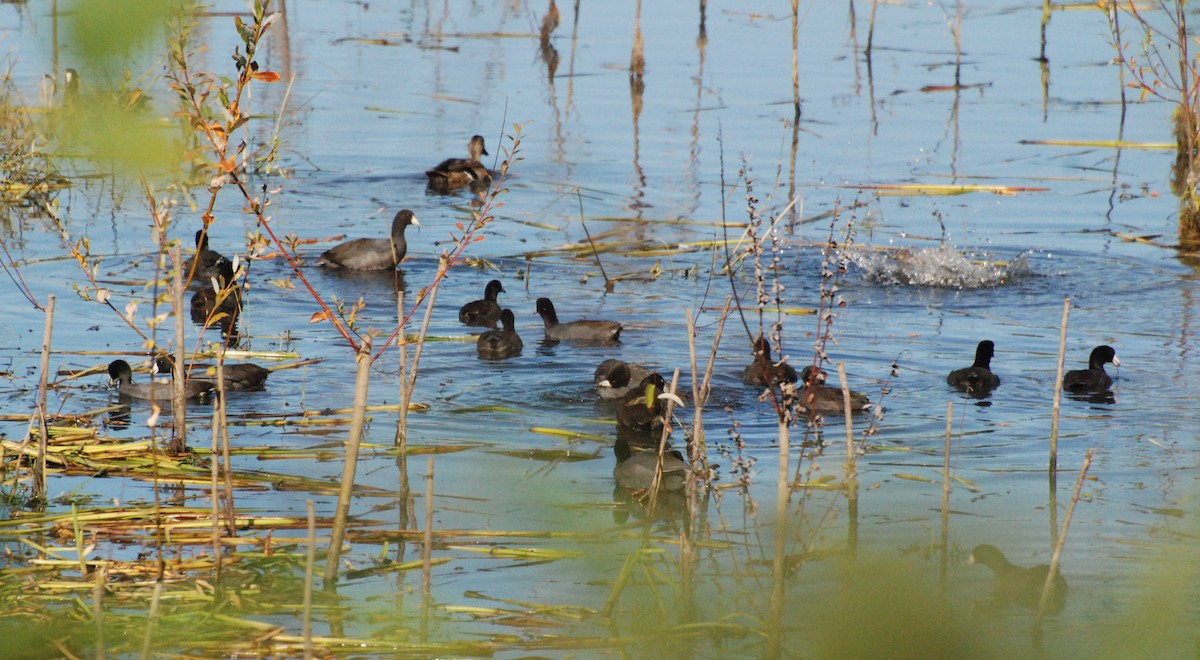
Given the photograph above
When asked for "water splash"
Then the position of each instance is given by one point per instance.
(943, 266)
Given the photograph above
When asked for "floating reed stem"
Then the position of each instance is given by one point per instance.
(353, 441)
(310, 561)
(39, 468)
(1062, 540)
(178, 444)
(1058, 376)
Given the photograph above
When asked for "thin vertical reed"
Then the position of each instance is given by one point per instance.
(851, 457)
(945, 544)
(1058, 376)
(178, 443)
(226, 458)
(310, 561)
(39, 468)
(350, 463)
(1062, 539)
(774, 642)
(402, 347)
(214, 463)
(152, 619)
(427, 550)
(662, 449)
(871, 31)
(443, 266)
(98, 609)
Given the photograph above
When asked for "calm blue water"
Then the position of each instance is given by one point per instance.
(363, 121)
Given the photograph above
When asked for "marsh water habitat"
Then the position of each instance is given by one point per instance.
(874, 187)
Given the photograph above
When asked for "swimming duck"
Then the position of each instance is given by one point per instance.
(207, 303)
(120, 374)
(240, 377)
(1017, 585)
(454, 172)
(1093, 379)
(204, 265)
(503, 343)
(483, 313)
(616, 378)
(583, 330)
(978, 378)
(826, 400)
(372, 253)
(763, 369)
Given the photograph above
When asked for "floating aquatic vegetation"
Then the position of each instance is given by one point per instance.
(941, 266)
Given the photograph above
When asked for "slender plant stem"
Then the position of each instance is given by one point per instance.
(350, 464)
(152, 619)
(179, 398)
(1062, 538)
(945, 544)
(226, 458)
(427, 550)
(39, 468)
(310, 560)
(1058, 377)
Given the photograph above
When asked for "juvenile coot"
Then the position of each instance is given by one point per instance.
(1017, 585)
(483, 313)
(372, 253)
(819, 398)
(978, 378)
(584, 330)
(454, 172)
(500, 344)
(204, 265)
(1093, 379)
(763, 370)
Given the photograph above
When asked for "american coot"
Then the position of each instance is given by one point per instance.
(372, 253)
(635, 469)
(616, 378)
(204, 265)
(635, 413)
(763, 370)
(585, 330)
(978, 378)
(819, 398)
(454, 172)
(500, 344)
(208, 304)
(121, 374)
(242, 377)
(483, 313)
(1093, 379)
(1017, 585)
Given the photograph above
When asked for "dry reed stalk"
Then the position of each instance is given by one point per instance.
(214, 464)
(796, 62)
(350, 464)
(152, 618)
(402, 349)
(226, 461)
(774, 631)
(871, 32)
(1062, 540)
(1058, 377)
(310, 560)
(39, 468)
(431, 297)
(662, 449)
(851, 457)
(98, 609)
(179, 399)
(427, 550)
(945, 540)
